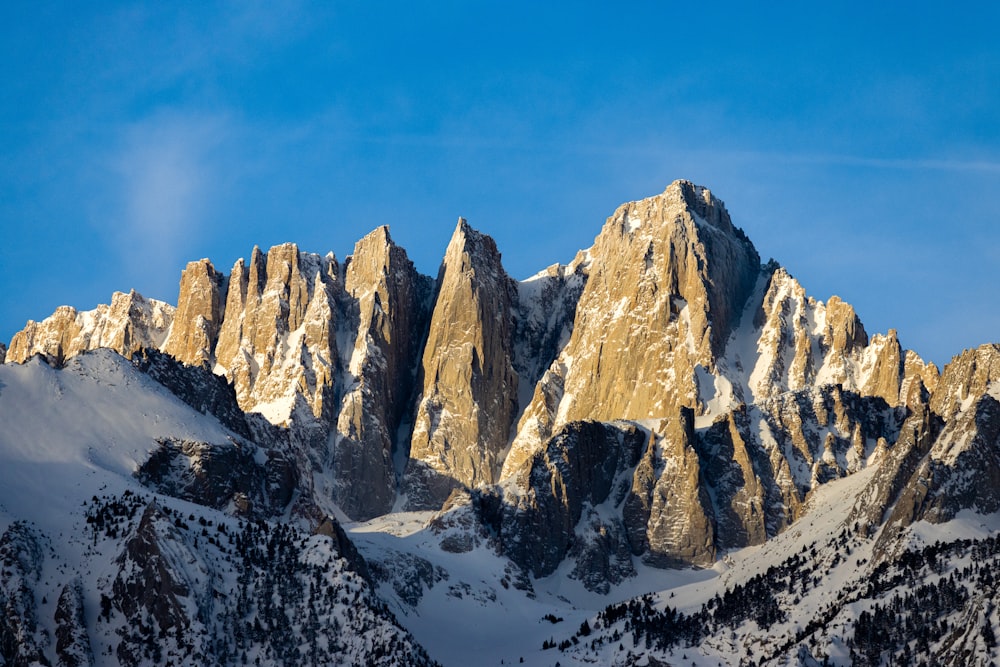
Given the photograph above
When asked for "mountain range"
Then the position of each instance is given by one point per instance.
(662, 452)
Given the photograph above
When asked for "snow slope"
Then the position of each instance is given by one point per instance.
(88, 426)
(99, 570)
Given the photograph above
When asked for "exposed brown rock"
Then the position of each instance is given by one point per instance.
(740, 502)
(668, 279)
(668, 511)
(130, 323)
(198, 316)
(392, 304)
(277, 338)
(965, 379)
(804, 342)
(469, 395)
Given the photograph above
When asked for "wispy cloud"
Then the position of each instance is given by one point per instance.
(167, 175)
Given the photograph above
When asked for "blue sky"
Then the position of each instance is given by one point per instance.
(857, 145)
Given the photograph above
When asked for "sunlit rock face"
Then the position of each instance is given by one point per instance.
(130, 323)
(199, 314)
(959, 464)
(803, 342)
(468, 392)
(277, 341)
(752, 393)
(668, 280)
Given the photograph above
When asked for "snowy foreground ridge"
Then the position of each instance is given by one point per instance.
(662, 453)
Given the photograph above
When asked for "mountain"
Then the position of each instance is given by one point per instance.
(666, 444)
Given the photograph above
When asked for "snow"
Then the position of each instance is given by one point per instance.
(742, 355)
(632, 223)
(484, 617)
(715, 392)
(99, 415)
(72, 435)
(994, 389)
(967, 525)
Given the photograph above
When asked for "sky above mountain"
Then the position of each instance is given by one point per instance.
(857, 145)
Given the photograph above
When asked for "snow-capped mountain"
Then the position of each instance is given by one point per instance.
(664, 452)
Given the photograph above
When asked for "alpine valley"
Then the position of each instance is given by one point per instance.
(661, 453)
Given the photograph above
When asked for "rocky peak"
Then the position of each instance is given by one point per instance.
(667, 282)
(802, 342)
(199, 314)
(470, 251)
(277, 339)
(388, 303)
(469, 386)
(3, 353)
(965, 379)
(129, 324)
(702, 204)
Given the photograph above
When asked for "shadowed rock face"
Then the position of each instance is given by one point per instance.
(958, 466)
(150, 581)
(22, 641)
(225, 476)
(198, 387)
(177, 594)
(584, 464)
(72, 641)
(392, 302)
(668, 511)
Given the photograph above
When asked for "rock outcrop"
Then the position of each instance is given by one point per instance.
(72, 641)
(957, 465)
(584, 464)
(390, 302)
(469, 387)
(668, 280)
(129, 324)
(23, 641)
(667, 513)
(803, 342)
(969, 376)
(237, 478)
(198, 316)
(277, 342)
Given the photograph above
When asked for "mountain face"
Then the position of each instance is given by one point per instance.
(660, 403)
(468, 396)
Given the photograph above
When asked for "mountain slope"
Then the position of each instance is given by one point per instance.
(100, 570)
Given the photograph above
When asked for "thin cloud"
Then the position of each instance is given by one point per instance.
(166, 173)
